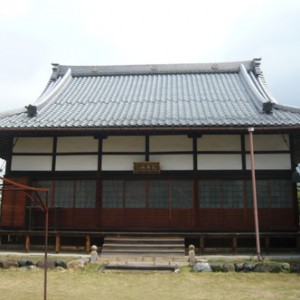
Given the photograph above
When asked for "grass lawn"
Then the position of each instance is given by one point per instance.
(88, 284)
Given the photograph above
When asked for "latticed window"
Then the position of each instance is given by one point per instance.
(85, 194)
(44, 184)
(147, 194)
(135, 194)
(280, 196)
(181, 193)
(233, 192)
(221, 194)
(262, 192)
(64, 193)
(112, 194)
(70, 193)
(275, 193)
(210, 194)
(159, 193)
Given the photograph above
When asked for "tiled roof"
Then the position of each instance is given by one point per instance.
(184, 95)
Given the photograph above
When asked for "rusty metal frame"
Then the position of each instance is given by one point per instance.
(9, 185)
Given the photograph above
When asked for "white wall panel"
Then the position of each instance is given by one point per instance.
(170, 143)
(219, 162)
(268, 142)
(76, 163)
(77, 144)
(174, 162)
(219, 143)
(33, 145)
(120, 162)
(31, 163)
(124, 144)
(269, 162)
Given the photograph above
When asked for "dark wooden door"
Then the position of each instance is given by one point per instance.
(147, 204)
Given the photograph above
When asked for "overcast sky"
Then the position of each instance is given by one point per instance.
(36, 33)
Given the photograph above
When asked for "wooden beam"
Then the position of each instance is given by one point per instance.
(27, 243)
(87, 243)
(57, 243)
(202, 245)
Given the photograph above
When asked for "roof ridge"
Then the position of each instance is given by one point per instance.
(85, 70)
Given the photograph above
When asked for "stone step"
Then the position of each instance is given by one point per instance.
(139, 267)
(147, 240)
(143, 246)
(148, 246)
(142, 253)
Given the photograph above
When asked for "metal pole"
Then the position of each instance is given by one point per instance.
(259, 256)
(46, 248)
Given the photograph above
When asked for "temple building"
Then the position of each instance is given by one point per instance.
(155, 148)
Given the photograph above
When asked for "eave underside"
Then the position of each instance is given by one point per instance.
(8, 132)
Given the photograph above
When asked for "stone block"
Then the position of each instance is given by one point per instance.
(239, 267)
(271, 268)
(60, 263)
(248, 267)
(50, 264)
(295, 267)
(202, 267)
(77, 264)
(228, 267)
(25, 262)
(216, 267)
(285, 267)
(9, 263)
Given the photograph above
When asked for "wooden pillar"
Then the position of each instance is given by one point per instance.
(57, 243)
(234, 245)
(202, 245)
(87, 243)
(27, 243)
(298, 242)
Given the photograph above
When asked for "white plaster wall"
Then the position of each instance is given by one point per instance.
(219, 143)
(77, 144)
(219, 162)
(120, 162)
(124, 144)
(173, 161)
(170, 143)
(31, 163)
(269, 162)
(76, 163)
(268, 142)
(33, 145)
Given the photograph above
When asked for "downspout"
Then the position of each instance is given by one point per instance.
(254, 193)
(46, 247)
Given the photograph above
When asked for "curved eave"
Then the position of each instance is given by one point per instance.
(252, 85)
(52, 93)
(49, 95)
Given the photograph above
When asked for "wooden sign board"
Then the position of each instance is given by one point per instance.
(146, 167)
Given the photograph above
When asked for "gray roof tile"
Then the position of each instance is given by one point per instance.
(228, 94)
